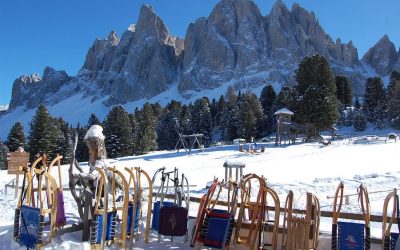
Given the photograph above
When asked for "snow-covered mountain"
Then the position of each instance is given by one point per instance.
(234, 45)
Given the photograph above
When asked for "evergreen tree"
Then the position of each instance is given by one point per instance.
(316, 101)
(93, 120)
(63, 139)
(286, 99)
(360, 121)
(135, 133)
(250, 116)
(41, 138)
(267, 100)
(168, 130)
(185, 121)
(357, 104)
(394, 99)
(82, 152)
(147, 135)
(201, 118)
(375, 101)
(343, 91)
(230, 121)
(16, 137)
(231, 94)
(3, 156)
(220, 108)
(118, 133)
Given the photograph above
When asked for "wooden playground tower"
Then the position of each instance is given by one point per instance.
(283, 118)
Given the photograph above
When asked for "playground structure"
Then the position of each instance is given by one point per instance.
(189, 142)
(288, 130)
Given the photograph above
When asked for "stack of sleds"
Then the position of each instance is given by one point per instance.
(40, 209)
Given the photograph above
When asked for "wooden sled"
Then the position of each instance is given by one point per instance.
(120, 207)
(253, 213)
(170, 217)
(350, 235)
(101, 227)
(135, 203)
(389, 239)
(34, 232)
(204, 204)
(302, 229)
(217, 227)
(61, 219)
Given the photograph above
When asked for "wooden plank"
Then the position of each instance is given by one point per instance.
(16, 161)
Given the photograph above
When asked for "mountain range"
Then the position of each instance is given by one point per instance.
(235, 45)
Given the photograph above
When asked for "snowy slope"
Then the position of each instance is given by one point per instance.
(302, 168)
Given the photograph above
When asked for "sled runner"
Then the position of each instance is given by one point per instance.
(34, 231)
(135, 205)
(350, 235)
(170, 217)
(302, 229)
(120, 206)
(389, 239)
(204, 204)
(101, 229)
(61, 220)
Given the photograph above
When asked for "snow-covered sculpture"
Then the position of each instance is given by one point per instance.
(86, 182)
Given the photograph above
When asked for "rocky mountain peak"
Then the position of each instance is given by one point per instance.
(150, 26)
(113, 38)
(382, 56)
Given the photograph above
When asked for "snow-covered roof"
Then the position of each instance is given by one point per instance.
(284, 111)
(95, 131)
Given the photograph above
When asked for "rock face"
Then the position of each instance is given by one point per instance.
(383, 57)
(235, 44)
(236, 41)
(33, 90)
(142, 64)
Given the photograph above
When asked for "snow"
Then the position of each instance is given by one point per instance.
(95, 131)
(3, 107)
(303, 167)
(284, 111)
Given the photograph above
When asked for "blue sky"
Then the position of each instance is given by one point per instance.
(57, 33)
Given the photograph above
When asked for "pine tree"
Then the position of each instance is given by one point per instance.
(230, 121)
(63, 139)
(168, 130)
(231, 94)
(93, 120)
(118, 133)
(316, 101)
(375, 101)
(220, 108)
(147, 135)
(16, 137)
(135, 133)
(82, 152)
(360, 121)
(201, 119)
(343, 91)
(250, 116)
(357, 104)
(3, 156)
(41, 138)
(394, 99)
(185, 121)
(267, 100)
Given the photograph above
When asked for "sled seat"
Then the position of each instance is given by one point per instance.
(351, 235)
(217, 229)
(97, 227)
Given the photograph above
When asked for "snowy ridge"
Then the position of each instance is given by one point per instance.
(4, 107)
